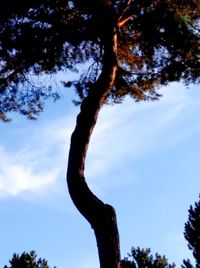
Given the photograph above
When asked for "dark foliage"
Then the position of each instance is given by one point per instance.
(187, 264)
(158, 42)
(139, 257)
(142, 258)
(192, 233)
(27, 260)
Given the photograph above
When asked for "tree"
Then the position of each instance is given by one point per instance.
(142, 258)
(192, 233)
(27, 260)
(132, 47)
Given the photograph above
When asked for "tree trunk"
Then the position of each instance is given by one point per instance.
(101, 216)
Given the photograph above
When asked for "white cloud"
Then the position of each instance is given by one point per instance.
(123, 133)
(17, 177)
(35, 164)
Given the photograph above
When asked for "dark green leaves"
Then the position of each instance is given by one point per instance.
(192, 231)
(142, 258)
(27, 260)
(158, 42)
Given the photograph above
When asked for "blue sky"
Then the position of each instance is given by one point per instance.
(143, 159)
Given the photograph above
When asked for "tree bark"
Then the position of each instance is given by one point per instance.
(101, 216)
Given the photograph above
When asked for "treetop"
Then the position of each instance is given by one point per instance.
(157, 43)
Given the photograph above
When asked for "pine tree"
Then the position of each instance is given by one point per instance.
(143, 258)
(27, 260)
(192, 231)
(133, 48)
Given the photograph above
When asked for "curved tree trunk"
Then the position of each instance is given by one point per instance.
(101, 216)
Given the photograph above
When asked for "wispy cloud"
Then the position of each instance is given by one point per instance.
(17, 177)
(131, 130)
(123, 133)
(37, 162)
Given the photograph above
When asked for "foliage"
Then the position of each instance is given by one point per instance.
(192, 233)
(158, 42)
(142, 258)
(187, 264)
(27, 260)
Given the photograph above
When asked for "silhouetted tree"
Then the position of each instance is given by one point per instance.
(142, 258)
(192, 233)
(27, 260)
(132, 47)
(187, 264)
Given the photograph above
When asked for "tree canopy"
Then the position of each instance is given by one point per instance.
(192, 233)
(130, 47)
(143, 258)
(27, 260)
(157, 42)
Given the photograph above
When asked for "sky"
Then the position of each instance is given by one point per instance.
(143, 159)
